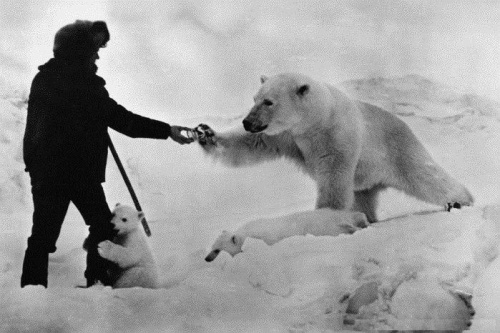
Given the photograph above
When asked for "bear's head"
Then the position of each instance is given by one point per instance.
(229, 242)
(283, 102)
(126, 219)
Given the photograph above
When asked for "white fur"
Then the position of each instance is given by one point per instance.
(353, 150)
(320, 222)
(130, 251)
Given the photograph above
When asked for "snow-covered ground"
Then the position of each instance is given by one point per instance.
(415, 270)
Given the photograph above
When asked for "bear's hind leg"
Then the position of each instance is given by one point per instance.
(428, 182)
(366, 202)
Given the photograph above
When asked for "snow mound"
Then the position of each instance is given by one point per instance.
(409, 273)
(486, 289)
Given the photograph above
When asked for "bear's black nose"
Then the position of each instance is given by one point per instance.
(253, 127)
(247, 125)
(212, 255)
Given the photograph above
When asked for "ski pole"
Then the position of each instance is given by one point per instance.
(129, 185)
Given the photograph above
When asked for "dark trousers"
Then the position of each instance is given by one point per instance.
(51, 204)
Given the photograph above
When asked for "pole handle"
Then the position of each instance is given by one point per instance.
(145, 225)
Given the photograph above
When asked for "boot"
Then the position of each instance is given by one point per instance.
(35, 268)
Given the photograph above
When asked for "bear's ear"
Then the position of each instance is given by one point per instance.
(237, 240)
(303, 90)
(140, 215)
(263, 79)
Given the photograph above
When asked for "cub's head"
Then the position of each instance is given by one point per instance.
(126, 219)
(282, 103)
(228, 242)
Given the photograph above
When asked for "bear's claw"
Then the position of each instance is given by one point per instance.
(451, 205)
(204, 134)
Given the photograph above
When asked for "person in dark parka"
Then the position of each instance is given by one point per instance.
(66, 145)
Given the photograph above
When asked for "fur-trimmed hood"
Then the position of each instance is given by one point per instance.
(78, 41)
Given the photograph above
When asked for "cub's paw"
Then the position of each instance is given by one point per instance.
(347, 228)
(104, 248)
(204, 134)
(360, 220)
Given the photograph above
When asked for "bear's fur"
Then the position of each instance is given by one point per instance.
(130, 251)
(320, 222)
(353, 150)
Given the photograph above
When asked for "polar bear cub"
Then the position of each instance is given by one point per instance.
(319, 222)
(130, 251)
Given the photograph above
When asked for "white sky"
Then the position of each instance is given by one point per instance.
(189, 58)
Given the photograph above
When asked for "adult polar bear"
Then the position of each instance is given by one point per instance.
(353, 150)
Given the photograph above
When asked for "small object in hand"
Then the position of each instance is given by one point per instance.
(203, 134)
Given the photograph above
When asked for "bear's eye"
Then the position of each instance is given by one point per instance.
(268, 102)
(124, 219)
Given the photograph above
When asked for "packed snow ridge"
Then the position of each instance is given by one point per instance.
(418, 96)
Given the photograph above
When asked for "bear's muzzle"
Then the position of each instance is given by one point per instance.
(253, 126)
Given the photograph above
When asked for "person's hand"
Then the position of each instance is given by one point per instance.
(176, 135)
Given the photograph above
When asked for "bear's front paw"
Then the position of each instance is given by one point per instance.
(104, 248)
(205, 135)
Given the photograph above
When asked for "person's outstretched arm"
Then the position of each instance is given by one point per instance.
(136, 126)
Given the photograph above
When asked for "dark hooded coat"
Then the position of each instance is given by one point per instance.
(66, 147)
(69, 112)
